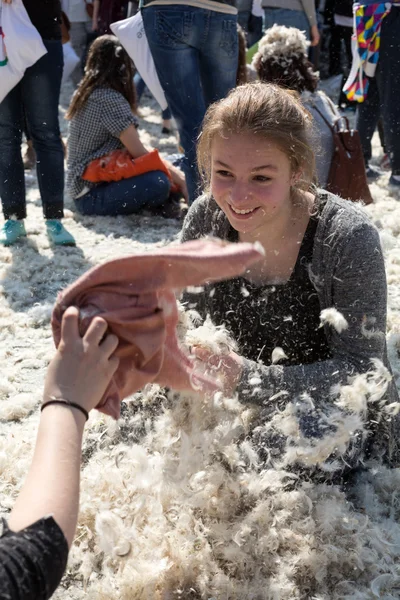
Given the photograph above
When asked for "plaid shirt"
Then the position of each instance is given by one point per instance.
(94, 131)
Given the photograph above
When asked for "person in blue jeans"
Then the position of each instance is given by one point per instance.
(195, 51)
(165, 114)
(35, 97)
(102, 121)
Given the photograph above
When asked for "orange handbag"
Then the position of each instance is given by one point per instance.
(119, 164)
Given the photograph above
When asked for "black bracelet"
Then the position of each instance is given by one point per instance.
(66, 403)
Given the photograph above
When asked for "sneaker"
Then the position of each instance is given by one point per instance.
(372, 173)
(11, 232)
(57, 233)
(394, 180)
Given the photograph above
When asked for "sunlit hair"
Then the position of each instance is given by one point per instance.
(282, 59)
(268, 112)
(107, 65)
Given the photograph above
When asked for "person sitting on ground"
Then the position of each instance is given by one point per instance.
(255, 153)
(282, 59)
(102, 121)
(34, 545)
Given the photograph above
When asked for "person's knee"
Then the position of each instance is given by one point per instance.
(46, 138)
(160, 188)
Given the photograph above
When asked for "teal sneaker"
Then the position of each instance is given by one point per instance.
(57, 233)
(11, 232)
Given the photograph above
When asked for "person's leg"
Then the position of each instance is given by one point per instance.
(12, 179)
(218, 56)
(166, 114)
(368, 113)
(41, 93)
(78, 34)
(287, 17)
(335, 51)
(139, 85)
(127, 196)
(255, 30)
(243, 18)
(388, 82)
(171, 35)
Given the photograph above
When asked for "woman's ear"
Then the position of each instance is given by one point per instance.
(295, 178)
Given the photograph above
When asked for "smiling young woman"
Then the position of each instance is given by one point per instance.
(255, 155)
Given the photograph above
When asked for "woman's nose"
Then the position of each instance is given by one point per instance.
(239, 193)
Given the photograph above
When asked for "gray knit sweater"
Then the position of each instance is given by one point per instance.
(348, 273)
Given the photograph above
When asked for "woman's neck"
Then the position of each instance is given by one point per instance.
(281, 240)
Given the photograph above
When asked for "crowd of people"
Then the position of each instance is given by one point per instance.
(250, 114)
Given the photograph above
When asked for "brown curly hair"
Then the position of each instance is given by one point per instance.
(107, 65)
(292, 72)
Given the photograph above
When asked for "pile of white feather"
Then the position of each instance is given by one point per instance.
(175, 504)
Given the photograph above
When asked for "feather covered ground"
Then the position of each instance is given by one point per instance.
(173, 502)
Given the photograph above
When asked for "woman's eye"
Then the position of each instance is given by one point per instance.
(223, 173)
(262, 178)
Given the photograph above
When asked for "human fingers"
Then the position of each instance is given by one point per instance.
(96, 331)
(113, 365)
(70, 326)
(205, 355)
(109, 345)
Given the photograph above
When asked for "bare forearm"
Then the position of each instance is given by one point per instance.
(52, 484)
(131, 141)
(95, 17)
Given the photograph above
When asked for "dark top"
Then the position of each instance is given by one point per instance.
(285, 316)
(46, 17)
(32, 561)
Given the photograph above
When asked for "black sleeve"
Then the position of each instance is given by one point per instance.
(32, 561)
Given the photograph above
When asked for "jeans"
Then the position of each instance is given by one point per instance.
(140, 87)
(36, 96)
(195, 51)
(251, 25)
(125, 197)
(287, 17)
(383, 94)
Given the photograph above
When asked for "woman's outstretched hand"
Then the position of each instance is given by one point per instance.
(82, 366)
(227, 367)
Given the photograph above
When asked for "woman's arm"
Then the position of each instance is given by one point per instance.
(95, 16)
(80, 372)
(130, 139)
(311, 13)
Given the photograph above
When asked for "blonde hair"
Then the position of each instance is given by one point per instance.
(264, 110)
